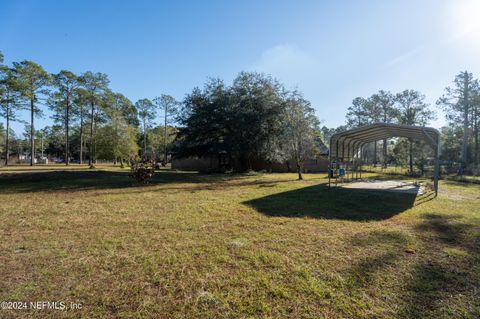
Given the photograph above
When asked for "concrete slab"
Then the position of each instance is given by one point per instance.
(392, 186)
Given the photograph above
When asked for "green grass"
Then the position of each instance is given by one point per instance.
(464, 179)
(234, 246)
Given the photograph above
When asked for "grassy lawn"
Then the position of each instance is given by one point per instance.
(247, 246)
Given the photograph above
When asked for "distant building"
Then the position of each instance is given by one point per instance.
(220, 163)
(216, 164)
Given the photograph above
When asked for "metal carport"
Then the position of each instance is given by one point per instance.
(346, 146)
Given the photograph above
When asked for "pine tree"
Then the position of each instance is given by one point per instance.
(457, 103)
(32, 82)
(95, 84)
(62, 101)
(169, 107)
(412, 110)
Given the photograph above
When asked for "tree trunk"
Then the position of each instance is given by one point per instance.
(94, 143)
(475, 134)
(165, 138)
(91, 151)
(7, 153)
(84, 149)
(299, 171)
(67, 109)
(32, 132)
(410, 155)
(476, 145)
(81, 138)
(465, 141)
(144, 140)
(116, 142)
(465, 123)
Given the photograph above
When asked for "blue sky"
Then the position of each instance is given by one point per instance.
(331, 50)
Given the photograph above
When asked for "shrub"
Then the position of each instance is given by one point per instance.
(142, 169)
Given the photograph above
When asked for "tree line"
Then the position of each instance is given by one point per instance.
(104, 123)
(459, 139)
(256, 118)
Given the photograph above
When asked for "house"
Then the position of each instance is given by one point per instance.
(214, 164)
(219, 163)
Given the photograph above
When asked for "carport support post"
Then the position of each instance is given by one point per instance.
(437, 164)
(361, 159)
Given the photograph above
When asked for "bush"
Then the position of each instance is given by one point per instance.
(142, 169)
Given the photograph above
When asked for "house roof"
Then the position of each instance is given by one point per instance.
(346, 144)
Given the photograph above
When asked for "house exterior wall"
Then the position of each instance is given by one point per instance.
(195, 164)
(316, 165)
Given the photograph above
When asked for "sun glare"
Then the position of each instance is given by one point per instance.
(466, 18)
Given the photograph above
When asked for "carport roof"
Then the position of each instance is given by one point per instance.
(345, 144)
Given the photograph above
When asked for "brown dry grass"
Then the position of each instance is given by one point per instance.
(219, 246)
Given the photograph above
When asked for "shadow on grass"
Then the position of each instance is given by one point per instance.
(462, 183)
(425, 197)
(448, 229)
(433, 284)
(86, 180)
(439, 285)
(81, 180)
(319, 201)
